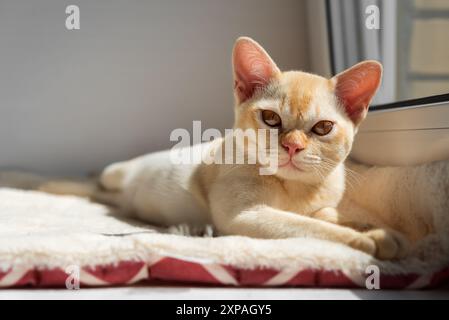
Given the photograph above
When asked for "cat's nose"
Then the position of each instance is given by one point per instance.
(292, 147)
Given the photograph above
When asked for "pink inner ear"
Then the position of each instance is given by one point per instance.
(357, 86)
(253, 68)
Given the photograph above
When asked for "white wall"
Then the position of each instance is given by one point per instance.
(73, 101)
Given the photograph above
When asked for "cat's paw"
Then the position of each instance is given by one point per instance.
(364, 244)
(389, 244)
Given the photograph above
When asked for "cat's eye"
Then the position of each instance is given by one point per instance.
(323, 127)
(271, 118)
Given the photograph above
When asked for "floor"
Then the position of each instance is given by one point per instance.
(205, 293)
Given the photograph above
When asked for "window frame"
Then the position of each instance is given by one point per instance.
(416, 102)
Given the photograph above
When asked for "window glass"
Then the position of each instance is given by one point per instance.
(409, 37)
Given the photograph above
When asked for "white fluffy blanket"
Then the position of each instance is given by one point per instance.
(48, 231)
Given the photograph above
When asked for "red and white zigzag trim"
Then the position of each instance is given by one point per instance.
(185, 270)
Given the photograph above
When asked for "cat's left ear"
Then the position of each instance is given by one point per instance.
(253, 68)
(356, 86)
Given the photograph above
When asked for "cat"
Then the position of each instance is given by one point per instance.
(316, 120)
(413, 200)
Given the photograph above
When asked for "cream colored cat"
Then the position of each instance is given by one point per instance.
(316, 120)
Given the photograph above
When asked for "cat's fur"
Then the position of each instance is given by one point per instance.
(300, 200)
(413, 200)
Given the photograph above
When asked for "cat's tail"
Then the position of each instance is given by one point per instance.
(110, 181)
(81, 188)
(62, 186)
(93, 188)
(20, 180)
(88, 188)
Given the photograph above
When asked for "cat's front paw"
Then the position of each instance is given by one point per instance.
(364, 244)
(389, 244)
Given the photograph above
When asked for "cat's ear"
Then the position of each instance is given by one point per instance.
(356, 86)
(253, 68)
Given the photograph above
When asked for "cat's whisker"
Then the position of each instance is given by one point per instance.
(311, 159)
(354, 179)
(320, 174)
(312, 156)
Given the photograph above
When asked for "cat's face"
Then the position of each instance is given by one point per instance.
(315, 118)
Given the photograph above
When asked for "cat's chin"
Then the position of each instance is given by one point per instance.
(291, 172)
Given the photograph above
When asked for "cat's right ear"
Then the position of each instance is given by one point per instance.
(356, 87)
(253, 68)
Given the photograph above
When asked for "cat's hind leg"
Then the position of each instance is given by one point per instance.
(113, 176)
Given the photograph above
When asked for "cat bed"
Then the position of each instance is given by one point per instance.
(45, 239)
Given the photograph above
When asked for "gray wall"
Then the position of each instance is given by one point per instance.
(73, 101)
